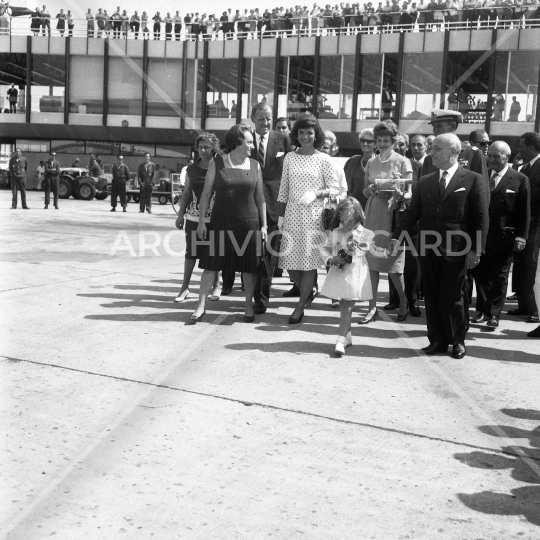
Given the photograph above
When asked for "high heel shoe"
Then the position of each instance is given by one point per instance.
(403, 317)
(297, 320)
(182, 297)
(373, 318)
(197, 319)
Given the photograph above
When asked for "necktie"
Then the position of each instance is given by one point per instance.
(526, 168)
(442, 183)
(261, 152)
(493, 181)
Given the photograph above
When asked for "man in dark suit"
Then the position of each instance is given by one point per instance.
(451, 208)
(52, 180)
(509, 216)
(17, 171)
(147, 175)
(524, 264)
(269, 150)
(536, 331)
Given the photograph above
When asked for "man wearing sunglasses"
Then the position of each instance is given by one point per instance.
(479, 138)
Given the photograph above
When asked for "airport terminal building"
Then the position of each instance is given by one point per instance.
(109, 96)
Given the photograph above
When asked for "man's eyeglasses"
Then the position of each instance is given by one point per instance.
(366, 141)
(483, 143)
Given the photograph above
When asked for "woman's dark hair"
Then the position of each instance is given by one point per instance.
(346, 210)
(386, 128)
(235, 136)
(211, 138)
(306, 121)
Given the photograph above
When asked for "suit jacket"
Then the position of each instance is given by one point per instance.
(463, 208)
(147, 176)
(18, 166)
(509, 211)
(272, 171)
(52, 168)
(534, 181)
(356, 179)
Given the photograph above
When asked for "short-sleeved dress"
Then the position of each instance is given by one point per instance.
(197, 176)
(378, 215)
(352, 281)
(303, 234)
(234, 226)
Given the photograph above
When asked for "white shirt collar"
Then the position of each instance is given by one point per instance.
(533, 161)
(451, 171)
(499, 175)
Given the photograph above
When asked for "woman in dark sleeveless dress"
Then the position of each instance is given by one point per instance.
(207, 145)
(238, 217)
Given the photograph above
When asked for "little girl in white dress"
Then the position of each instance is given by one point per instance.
(348, 278)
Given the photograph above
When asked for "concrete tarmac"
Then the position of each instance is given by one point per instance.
(121, 421)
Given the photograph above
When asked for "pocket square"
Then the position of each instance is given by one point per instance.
(279, 154)
(460, 189)
(510, 191)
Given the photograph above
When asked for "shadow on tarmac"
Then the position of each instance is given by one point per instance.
(522, 501)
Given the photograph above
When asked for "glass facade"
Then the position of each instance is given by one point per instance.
(421, 86)
(86, 92)
(336, 81)
(467, 81)
(48, 83)
(192, 92)
(515, 91)
(296, 86)
(221, 88)
(369, 87)
(125, 86)
(257, 83)
(164, 87)
(13, 71)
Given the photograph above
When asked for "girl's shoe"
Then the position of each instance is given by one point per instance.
(367, 320)
(341, 343)
(182, 296)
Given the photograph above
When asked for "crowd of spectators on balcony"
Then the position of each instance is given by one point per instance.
(341, 18)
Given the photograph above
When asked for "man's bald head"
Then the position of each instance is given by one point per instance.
(445, 151)
(501, 147)
(498, 155)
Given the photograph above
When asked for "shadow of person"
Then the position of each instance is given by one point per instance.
(523, 462)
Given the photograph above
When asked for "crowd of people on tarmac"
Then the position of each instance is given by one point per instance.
(340, 18)
(451, 216)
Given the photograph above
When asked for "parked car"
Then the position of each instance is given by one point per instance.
(77, 182)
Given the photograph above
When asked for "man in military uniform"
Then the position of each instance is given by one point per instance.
(120, 174)
(52, 180)
(470, 158)
(147, 174)
(17, 170)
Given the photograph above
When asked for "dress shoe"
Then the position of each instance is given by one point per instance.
(149, 211)
(13, 208)
(493, 322)
(512, 297)
(26, 208)
(479, 318)
(391, 306)
(534, 333)
(112, 210)
(371, 319)
(249, 319)
(197, 319)
(459, 351)
(124, 209)
(415, 311)
(435, 348)
(141, 211)
(46, 207)
(259, 310)
(56, 207)
(292, 292)
(311, 297)
(182, 296)
(517, 312)
(226, 291)
(533, 319)
(297, 320)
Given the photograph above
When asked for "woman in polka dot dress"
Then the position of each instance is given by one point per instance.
(308, 178)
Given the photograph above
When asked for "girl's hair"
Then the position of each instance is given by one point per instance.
(306, 121)
(347, 210)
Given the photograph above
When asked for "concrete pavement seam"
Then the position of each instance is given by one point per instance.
(275, 407)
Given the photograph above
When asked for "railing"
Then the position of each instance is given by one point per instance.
(500, 17)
